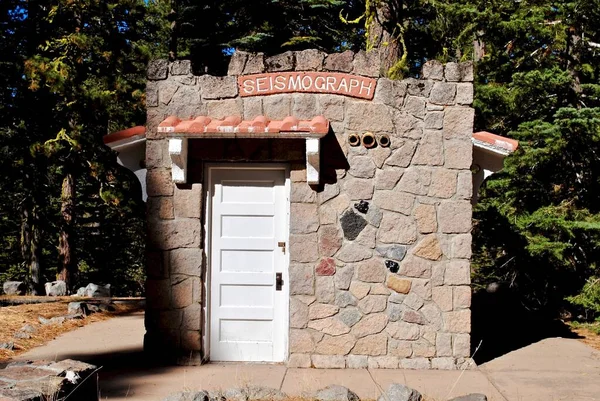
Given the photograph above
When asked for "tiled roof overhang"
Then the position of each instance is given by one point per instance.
(494, 143)
(235, 127)
(125, 137)
(179, 131)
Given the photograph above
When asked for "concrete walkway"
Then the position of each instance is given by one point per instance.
(551, 370)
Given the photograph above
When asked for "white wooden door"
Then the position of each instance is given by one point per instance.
(248, 219)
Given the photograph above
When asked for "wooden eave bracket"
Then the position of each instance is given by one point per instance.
(313, 160)
(178, 150)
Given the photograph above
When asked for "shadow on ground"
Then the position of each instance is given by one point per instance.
(500, 324)
(119, 370)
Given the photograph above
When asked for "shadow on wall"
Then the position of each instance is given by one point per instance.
(502, 324)
(266, 150)
(332, 159)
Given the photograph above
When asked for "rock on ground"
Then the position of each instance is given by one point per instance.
(95, 290)
(25, 332)
(21, 335)
(235, 394)
(14, 288)
(470, 397)
(260, 393)
(100, 308)
(336, 393)
(46, 380)
(54, 320)
(77, 308)
(399, 392)
(188, 396)
(56, 288)
(28, 329)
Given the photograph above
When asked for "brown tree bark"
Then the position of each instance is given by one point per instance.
(382, 31)
(174, 31)
(68, 265)
(34, 259)
(30, 241)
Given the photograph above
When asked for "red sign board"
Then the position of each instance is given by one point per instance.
(309, 82)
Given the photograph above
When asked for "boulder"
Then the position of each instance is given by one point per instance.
(261, 393)
(21, 335)
(77, 307)
(216, 395)
(25, 332)
(21, 394)
(54, 320)
(28, 329)
(48, 380)
(93, 308)
(95, 290)
(336, 393)
(80, 292)
(235, 394)
(56, 288)
(188, 396)
(106, 308)
(14, 288)
(9, 346)
(470, 397)
(399, 392)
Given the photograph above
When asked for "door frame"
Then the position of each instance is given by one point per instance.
(207, 179)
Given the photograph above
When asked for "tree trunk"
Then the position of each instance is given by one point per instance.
(68, 265)
(174, 31)
(382, 31)
(30, 245)
(25, 239)
(34, 261)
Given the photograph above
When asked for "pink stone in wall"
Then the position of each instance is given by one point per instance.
(330, 240)
(326, 267)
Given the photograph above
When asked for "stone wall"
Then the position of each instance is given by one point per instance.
(379, 252)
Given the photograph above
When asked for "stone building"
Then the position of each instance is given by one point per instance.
(304, 210)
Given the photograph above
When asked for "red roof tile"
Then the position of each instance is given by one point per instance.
(234, 126)
(496, 140)
(262, 125)
(124, 134)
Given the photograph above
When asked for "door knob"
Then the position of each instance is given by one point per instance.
(278, 281)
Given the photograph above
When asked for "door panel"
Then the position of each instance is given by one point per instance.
(248, 218)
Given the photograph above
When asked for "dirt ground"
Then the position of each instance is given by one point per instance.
(13, 318)
(588, 337)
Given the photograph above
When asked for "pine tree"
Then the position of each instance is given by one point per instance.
(537, 81)
(76, 72)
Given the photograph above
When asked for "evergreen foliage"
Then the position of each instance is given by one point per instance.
(537, 222)
(209, 30)
(73, 72)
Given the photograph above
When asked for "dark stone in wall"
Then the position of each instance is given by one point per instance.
(280, 62)
(362, 206)
(181, 67)
(157, 69)
(392, 266)
(352, 224)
